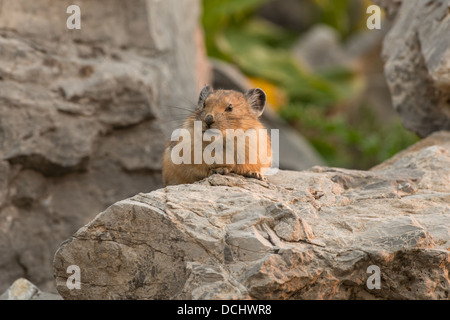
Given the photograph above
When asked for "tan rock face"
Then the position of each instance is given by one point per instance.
(84, 115)
(314, 234)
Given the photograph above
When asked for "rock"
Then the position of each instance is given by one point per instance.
(417, 63)
(314, 234)
(295, 15)
(295, 152)
(390, 6)
(22, 289)
(320, 48)
(364, 51)
(84, 115)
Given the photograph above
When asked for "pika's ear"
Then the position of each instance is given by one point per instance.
(257, 100)
(204, 94)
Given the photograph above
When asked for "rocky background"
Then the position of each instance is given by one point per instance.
(417, 63)
(84, 116)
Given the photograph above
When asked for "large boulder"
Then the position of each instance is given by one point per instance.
(317, 234)
(84, 115)
(417, 63)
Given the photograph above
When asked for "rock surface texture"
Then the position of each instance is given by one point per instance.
(22, 289)
(84, 115)
(301, 235)
(417, 63)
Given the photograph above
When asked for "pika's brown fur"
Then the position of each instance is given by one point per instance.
(220, 110)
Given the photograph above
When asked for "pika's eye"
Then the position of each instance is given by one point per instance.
(229, 108)
(204, 105)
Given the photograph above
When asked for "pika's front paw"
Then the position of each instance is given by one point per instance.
(219, 171)
(255, 175)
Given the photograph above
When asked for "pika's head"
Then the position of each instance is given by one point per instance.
(229, 109)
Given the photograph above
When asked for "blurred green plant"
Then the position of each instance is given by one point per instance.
(262, 50)
(257, 57)
(338, 14)
(359, 146)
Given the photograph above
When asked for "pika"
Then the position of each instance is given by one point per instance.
(222, 111)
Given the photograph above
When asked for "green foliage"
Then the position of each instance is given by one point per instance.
(343, 144)
(220, 14)
(335, 14)
(340, 14)
(263, 50)
(256, 58)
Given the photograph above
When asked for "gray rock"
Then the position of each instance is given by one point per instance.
(84, 115)
(295, 15)
(301, 235)
(22, 289)
(320, 48)
(417, 65)
(391, 7)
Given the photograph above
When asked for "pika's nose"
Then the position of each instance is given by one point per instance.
(209, 119)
